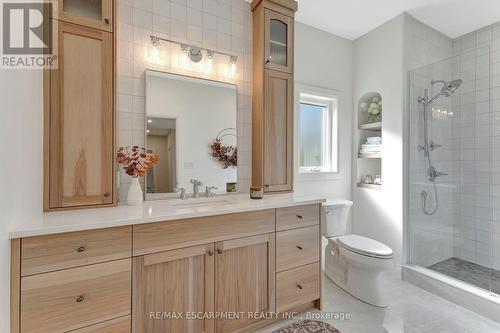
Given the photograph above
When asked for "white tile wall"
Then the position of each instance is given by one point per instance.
(478, 144)
(221, 25)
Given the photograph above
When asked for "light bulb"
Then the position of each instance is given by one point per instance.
(183, 56)
(155, 53)
(232, 66)
(209, 63)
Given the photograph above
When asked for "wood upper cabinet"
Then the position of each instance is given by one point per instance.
(79, 126)
(96, 14)
(278, 131)
(278, 41)
(244, 280)
(272, 119)
(176, 282)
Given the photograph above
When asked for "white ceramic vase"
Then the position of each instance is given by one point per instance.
(134, 194)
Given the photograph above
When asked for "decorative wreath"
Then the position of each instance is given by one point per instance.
(227, 155)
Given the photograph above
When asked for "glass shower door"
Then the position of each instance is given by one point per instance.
(454, 170)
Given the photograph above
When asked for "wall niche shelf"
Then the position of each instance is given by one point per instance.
(368, 164)
(370, 186)
(374, 156)
(371, 126)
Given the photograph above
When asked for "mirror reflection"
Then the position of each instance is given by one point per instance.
(191, 125)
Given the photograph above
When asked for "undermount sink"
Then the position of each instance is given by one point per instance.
(200, 202)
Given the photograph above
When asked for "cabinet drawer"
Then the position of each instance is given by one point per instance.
(60, 251)
(297, 286)
(118, 325)
(74, 298)
(158, 237)
(297, 247)
(297, 217)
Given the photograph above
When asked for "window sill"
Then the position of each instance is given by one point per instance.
(317, 176)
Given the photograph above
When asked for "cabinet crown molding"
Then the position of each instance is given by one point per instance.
(271, 4)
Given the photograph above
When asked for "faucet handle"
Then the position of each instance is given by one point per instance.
(196, 182)
(183, 192)
(208, 191)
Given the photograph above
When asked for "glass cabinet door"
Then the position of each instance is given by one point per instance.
(91, 13)
(279, 32)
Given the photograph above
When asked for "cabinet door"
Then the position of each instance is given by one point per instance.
(81, 124)
(278, 41)
(244, 280)
(278, 131)
(90, 13)
(169, 286)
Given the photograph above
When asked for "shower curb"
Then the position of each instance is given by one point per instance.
(469, 297)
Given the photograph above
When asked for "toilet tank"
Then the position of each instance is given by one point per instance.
(335, 216)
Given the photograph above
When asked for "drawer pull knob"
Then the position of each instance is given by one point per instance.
(300, 287)
(300, 247)
(107, 195)
(219, 251)
(80, 299)
(210, 253)
(299, 217)
(81, 249)
(106, 20)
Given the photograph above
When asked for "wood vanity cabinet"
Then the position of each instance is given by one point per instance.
(79, 139)
(272, 163)
(244, 280)
(231, 276)
(173, 276)
(177, 281)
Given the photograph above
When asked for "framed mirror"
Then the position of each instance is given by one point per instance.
(191, 125)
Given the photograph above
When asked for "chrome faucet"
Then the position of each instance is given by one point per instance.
(183, 193)
(208, 191)
(196, 187)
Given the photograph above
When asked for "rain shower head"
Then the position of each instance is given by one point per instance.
(449, 87)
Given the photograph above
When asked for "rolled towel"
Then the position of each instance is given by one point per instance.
(371, 147)
(374, 139)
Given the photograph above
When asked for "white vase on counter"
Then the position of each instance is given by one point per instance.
(134, 194)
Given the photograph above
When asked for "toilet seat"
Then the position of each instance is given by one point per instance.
(365, 246)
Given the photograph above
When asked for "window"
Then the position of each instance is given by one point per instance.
(317, 126)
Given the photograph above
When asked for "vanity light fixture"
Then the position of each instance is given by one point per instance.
(195, 54)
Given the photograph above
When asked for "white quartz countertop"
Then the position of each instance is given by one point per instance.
(152, 211)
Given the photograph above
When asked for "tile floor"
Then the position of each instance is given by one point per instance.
(477, 275)
(412, 310)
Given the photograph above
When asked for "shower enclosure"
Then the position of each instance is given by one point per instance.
(453, 173)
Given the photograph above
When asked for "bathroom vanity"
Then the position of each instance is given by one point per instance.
(127, 269)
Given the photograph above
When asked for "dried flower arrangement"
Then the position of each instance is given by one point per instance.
(227, 155)
(136, 161)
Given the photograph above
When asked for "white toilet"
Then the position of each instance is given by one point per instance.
(354, 263)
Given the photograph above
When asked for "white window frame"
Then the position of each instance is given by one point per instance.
(331, 100)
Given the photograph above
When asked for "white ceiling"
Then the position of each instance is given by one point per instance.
(353, 18)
